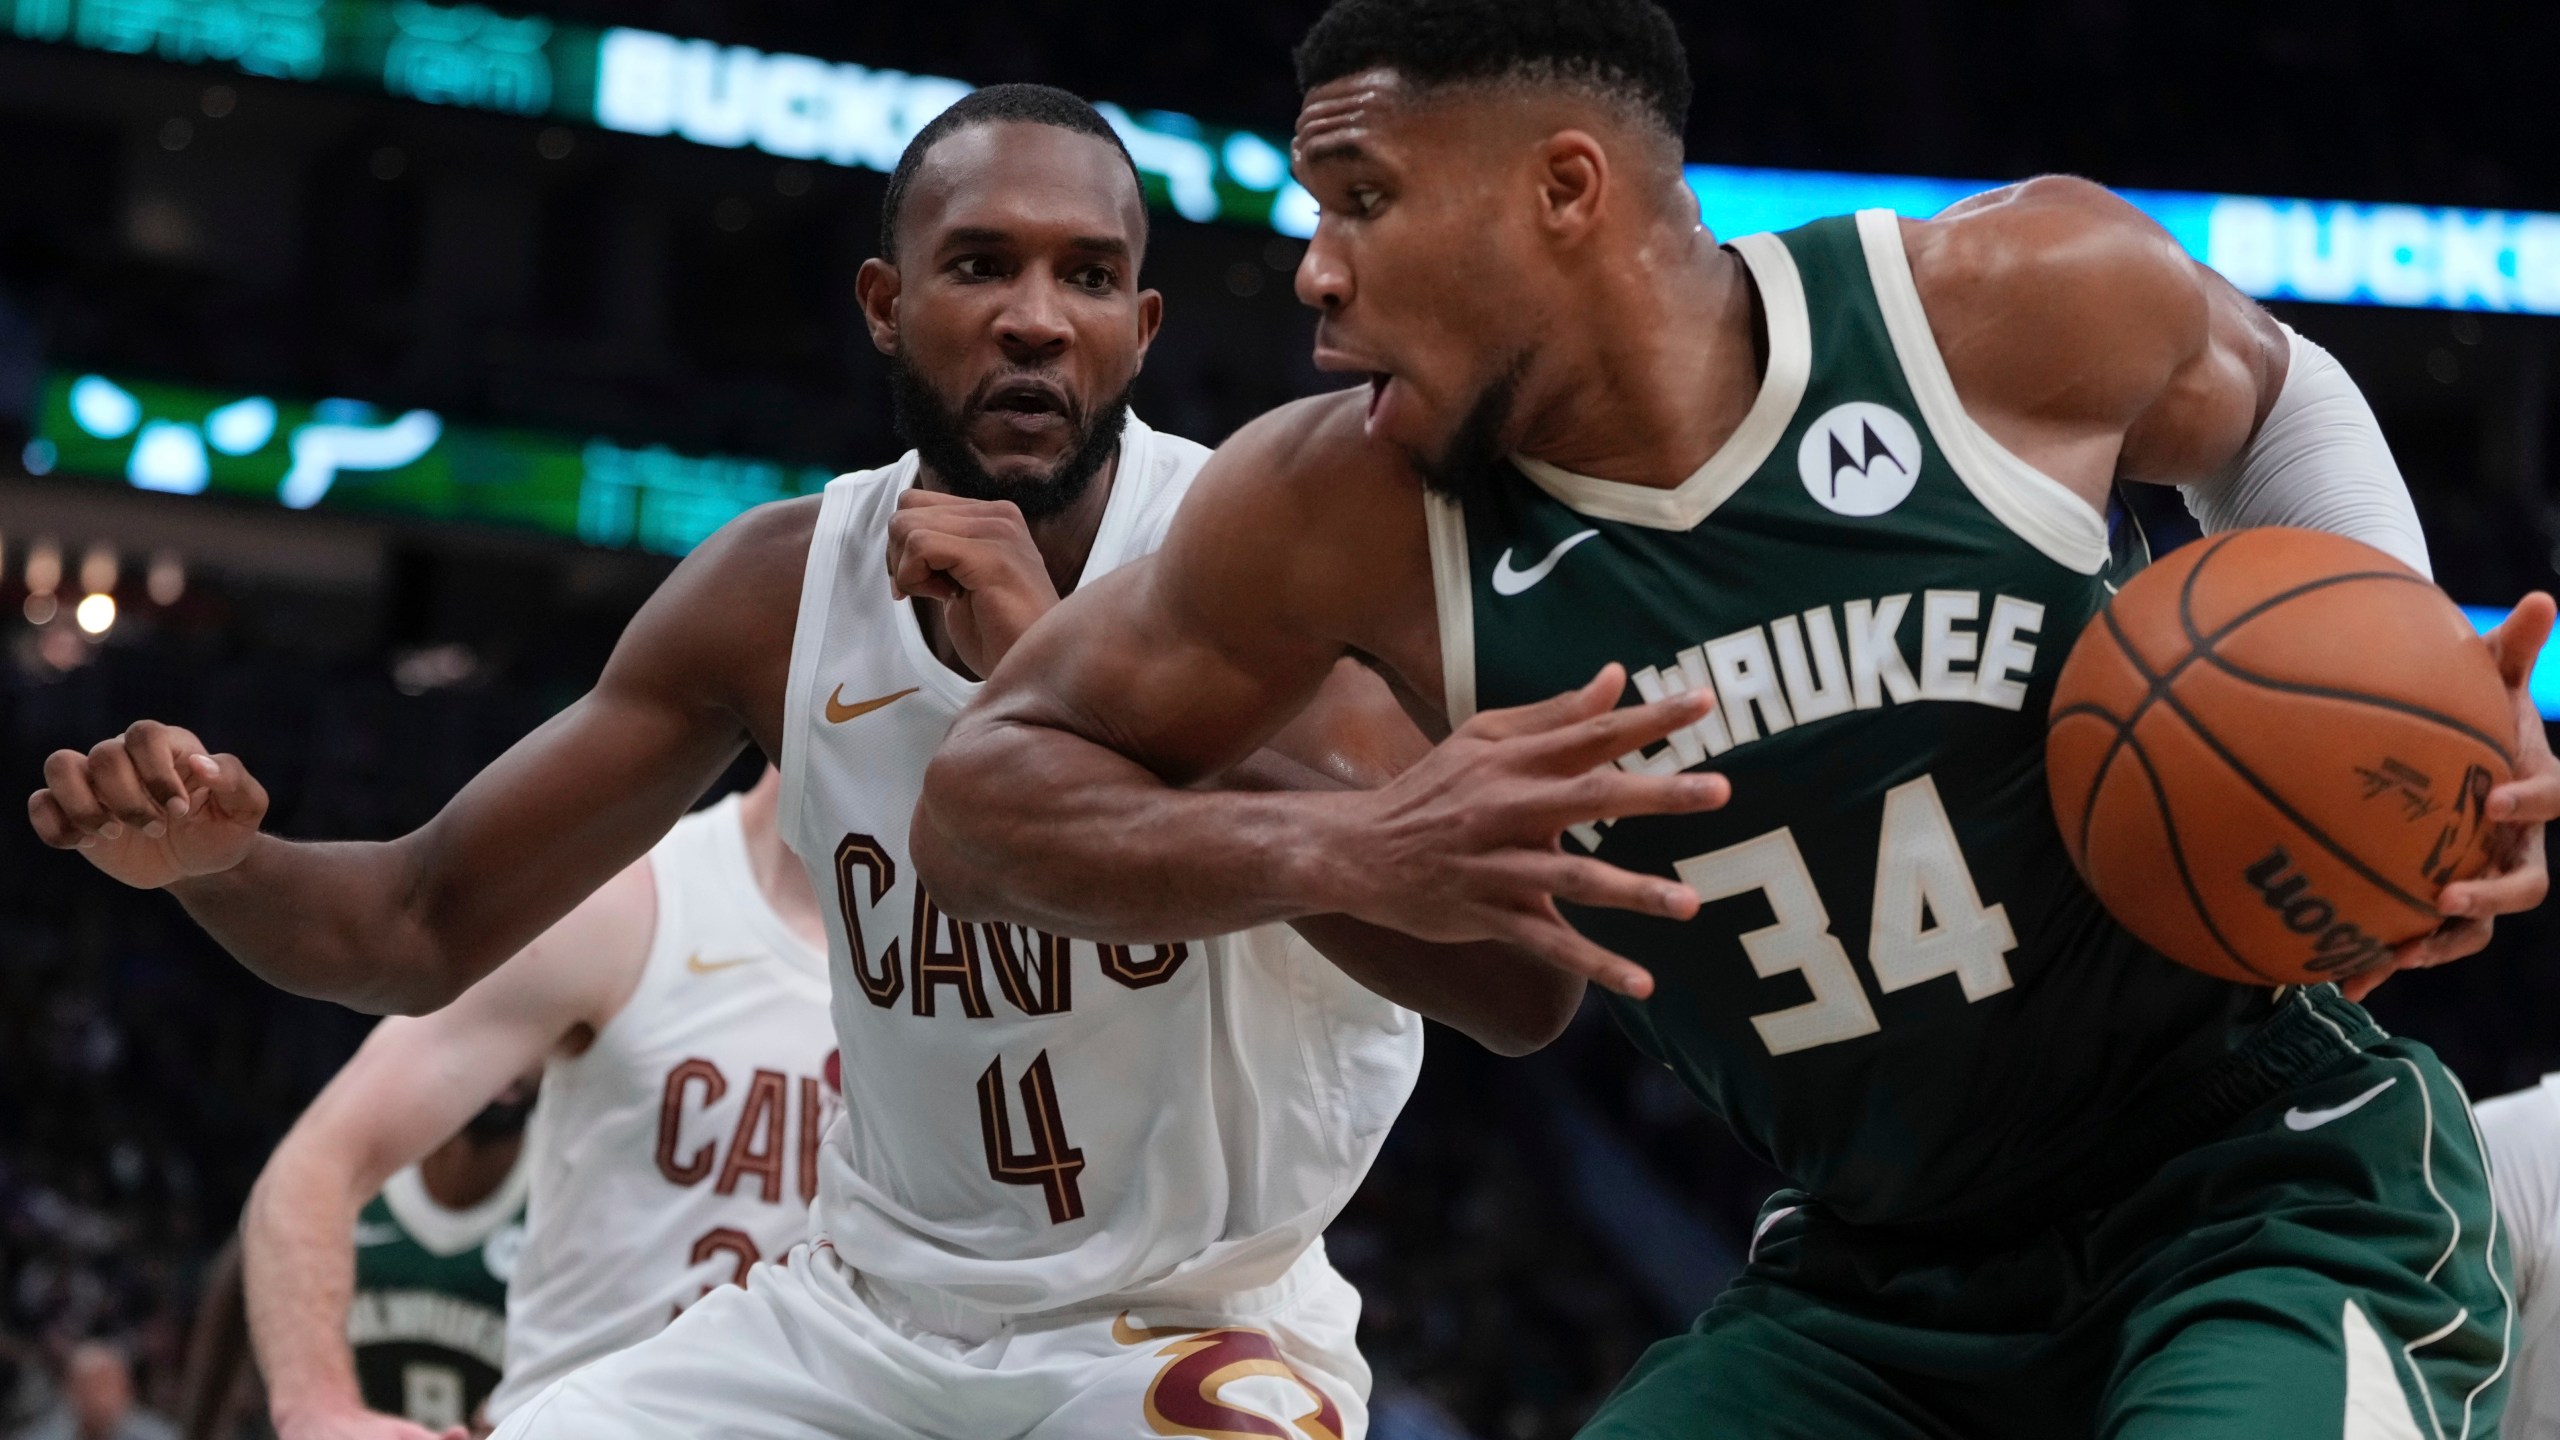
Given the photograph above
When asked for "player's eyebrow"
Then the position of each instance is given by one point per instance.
(1111, 245)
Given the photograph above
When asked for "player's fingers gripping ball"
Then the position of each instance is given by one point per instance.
(2272, 750)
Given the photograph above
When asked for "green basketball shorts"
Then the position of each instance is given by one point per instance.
(2327, 1264)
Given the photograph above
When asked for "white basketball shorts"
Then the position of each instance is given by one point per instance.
(809, 1350)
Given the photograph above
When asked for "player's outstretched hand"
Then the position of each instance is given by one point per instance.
(361, 1425)
(1466, 845)
(977, 557)
(150, 806)
(2517, 878)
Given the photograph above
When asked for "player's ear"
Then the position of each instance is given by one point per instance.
(1150, 319)
(876, 287)
(1573, 181)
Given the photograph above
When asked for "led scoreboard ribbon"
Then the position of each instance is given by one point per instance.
(803, 108)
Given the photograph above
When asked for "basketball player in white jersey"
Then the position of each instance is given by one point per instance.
(2521, 1132)
(1077, 1188)
(679, 1017)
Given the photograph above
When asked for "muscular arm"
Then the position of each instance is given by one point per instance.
(1061, 798)
(2085, 341)
(1355, 736)
(410, 1088)
(406, 925)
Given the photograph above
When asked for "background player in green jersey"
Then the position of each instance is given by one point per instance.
(427, 1320)
(1847, 484)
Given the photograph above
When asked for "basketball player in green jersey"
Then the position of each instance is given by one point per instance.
(1847, 485)
(427, 1322)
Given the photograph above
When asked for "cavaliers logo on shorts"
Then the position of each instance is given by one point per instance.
(1186, 1397)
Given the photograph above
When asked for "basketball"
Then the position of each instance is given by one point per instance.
(2272, 750)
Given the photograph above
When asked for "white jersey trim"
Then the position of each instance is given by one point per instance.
(1686, 505)
(445, 1233)
(808, 639)
(2034, 506)
(1453, 588)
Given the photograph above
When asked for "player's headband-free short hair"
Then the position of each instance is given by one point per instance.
(1626, 51)
(997, 104)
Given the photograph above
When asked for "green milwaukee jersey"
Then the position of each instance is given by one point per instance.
(1898, 992)
(429, 1320)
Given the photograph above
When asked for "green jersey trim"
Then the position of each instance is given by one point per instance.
(2034, 506)
(445, 1233)
(1685, 506)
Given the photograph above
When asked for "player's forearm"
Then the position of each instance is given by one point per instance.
(1037, 826)
(332, 921)
(1499, 996)
(298, 1263)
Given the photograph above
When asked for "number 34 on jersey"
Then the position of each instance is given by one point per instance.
(1929, 921)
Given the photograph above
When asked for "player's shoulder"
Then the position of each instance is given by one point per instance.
(1316, 451)
(2055, 247)
(2058, 275)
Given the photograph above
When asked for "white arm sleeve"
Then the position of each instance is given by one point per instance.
(2320, 463)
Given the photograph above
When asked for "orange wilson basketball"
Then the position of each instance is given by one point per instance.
(2272, 750)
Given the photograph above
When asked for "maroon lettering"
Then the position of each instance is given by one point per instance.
(1121, 964)
(861, 852)
(1049, 1162)
(756, 1148)
(692, 1169)
(813, 1124)
(1033, 968)
(946, 953)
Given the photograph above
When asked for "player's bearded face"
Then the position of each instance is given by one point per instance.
(944, 432)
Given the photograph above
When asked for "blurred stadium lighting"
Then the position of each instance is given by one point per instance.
(2546, 670)
(96, 614)
(98, 569)
(166, 580)
(44, 567)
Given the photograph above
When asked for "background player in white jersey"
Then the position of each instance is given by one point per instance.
(679, 1018)
(1091, 1202)
(2522, 1135)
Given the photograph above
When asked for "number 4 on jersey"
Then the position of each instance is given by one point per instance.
(1050, 1162)
(1920, 877)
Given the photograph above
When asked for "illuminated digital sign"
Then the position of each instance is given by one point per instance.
(804, 108)
(349, 456)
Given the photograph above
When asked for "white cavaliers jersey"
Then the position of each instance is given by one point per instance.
(2522, 1135)
(1034, 1122)
(682, 1145)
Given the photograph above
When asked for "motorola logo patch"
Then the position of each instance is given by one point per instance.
(1860, 459)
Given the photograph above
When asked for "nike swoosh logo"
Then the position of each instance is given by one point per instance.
(839, 712)
(2301, 1119)
(1507, 581)
(700, 966)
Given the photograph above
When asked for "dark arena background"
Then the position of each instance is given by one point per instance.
(365, 363)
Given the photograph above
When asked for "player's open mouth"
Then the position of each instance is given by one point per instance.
(1377, 391)
(1028, 405)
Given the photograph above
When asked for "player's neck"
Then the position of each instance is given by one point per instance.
(1656, 374)
(464, 1170)
(780, 877)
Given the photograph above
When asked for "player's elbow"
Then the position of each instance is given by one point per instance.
(959, 888)
(1528, 1011)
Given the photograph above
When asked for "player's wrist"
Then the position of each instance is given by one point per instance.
(1319, 871)
(314, 1409)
